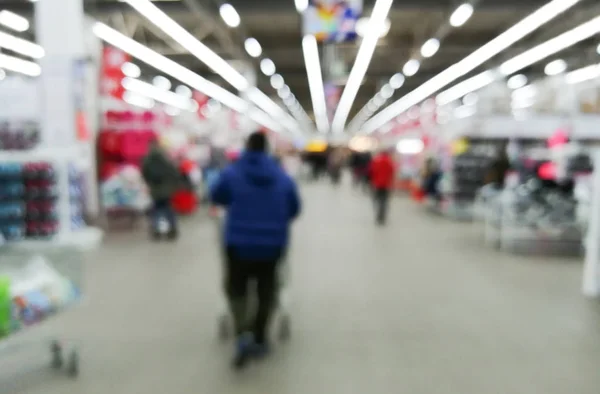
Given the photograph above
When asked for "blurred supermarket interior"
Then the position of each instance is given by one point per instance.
(485, 277)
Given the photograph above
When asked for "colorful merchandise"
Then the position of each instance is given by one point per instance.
(125, 189)
(5, 306)
(32, 293)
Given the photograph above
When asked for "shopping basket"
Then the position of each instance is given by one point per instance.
(39, 281)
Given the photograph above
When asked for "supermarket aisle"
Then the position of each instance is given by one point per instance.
(419, 307)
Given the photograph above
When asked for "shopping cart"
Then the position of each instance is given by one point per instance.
(46, 280)
(282, 316)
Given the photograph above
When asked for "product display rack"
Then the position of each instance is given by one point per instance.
(41, 194)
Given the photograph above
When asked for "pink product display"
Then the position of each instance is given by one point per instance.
(127, 118)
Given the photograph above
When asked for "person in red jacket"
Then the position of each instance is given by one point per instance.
(382, 171)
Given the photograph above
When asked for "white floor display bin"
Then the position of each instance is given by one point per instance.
(42, 275)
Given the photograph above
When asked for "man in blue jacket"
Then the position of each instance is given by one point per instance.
(261, 202)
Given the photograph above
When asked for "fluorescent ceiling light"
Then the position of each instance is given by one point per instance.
(315, 82)
(467, 86)
(172, 111)
(161, 82)
(156, 93)
(210, 58)
(169, 67)
(387, 91)
(138, 100)
(301, 5)
(461, 15)
(516, 81)
(184, 91)
(362, 27)
(229, 15)
(267, 67)
(430, 47)
(552, 46)
(525, 92)
(397, 80)
(361, 64)
(521, 29)
(290, 100)
(13, 21)
(520, 104)
(21, 66)
(411, 67)
(284, 92)
(277, 81)
(253, 47)
(410, 146)
(464, 111)
(583, 74)
(555, 67)
(379, 100)
(470, 99)
(21, 46)
(189, 42)
(131, 70)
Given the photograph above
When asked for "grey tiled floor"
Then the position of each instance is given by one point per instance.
(420, 306)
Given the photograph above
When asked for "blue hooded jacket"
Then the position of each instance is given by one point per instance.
(261, 202)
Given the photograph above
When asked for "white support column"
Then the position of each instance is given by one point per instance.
(59, 27)
(591, 269)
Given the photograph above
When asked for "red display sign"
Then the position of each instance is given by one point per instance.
(112, 76)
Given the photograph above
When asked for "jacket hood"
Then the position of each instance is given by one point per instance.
(258, 168)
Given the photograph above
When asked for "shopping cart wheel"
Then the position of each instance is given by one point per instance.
(57, 355)
(285, 328)
(73, 364)
(224, 328)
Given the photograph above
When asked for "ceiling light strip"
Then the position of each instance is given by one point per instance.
(172, 68)
(164, 96)
(189, 42)
(361, 64)
(527, 25)
(20, 66)
(13, 21)
(198, 49)
(522, 61)
(315, 82)
(583, 74)
(556, 44)
(21, 46)
(429, 48)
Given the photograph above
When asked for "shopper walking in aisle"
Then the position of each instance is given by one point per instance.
(382, 172)
(163, 179)
(261, 202)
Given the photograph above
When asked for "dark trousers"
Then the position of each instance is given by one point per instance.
(240, 274)
(163, 209)
(382, 198)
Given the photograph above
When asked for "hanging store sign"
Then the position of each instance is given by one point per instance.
(332, 20)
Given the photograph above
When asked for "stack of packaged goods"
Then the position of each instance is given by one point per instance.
(12, 202)
(41, 195)
(77, 198)
(19, 135)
